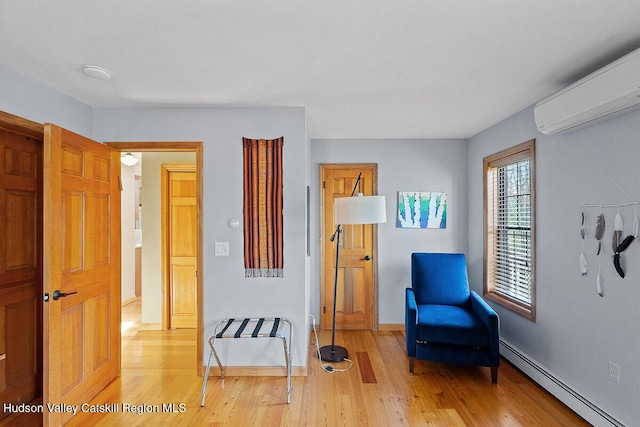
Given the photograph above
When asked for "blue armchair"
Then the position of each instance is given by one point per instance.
(445, 322)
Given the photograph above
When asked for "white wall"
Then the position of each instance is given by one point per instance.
(127, 221)
(31, 100)
(227, 293)
(152, 230)
(577, 332)
(403, 165)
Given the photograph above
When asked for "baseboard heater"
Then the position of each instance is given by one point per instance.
(582, 405)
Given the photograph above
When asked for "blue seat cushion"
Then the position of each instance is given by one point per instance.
(449, 324)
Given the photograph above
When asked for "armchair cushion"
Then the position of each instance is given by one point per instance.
(440, 278)
(449, 324)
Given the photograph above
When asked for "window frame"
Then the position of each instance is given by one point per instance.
(506, 157)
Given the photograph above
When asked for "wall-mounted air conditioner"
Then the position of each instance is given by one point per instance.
(603, 94)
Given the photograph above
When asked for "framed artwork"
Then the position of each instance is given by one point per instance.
(422, 209)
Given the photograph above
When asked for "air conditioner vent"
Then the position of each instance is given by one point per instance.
(603, 94)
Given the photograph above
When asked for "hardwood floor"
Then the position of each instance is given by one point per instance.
(158, 367)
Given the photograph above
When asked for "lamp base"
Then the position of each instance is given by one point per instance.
(333, 353)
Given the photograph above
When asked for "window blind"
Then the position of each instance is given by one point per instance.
(509, 230)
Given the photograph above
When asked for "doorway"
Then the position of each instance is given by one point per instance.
(175, 147)
(357, 286)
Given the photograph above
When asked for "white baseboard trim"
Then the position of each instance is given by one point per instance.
(575, 400)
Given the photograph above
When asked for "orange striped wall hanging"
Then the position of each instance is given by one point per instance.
(263, 237)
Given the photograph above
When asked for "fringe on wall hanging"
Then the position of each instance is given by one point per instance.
(263, 237)
(618, 245)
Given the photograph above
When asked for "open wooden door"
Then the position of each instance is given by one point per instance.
(82, 260)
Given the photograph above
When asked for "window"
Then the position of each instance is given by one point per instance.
(509, 229)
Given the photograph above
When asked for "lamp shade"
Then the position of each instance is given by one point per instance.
(359, 210)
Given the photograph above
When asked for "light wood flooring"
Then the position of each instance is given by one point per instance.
(159, 367)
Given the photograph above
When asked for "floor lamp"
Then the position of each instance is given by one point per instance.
(350, 210)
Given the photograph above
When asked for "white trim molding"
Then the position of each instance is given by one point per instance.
(555, 385)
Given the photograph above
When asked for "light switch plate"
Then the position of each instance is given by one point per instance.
(222, 249)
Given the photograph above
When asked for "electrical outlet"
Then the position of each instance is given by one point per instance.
(614, 372)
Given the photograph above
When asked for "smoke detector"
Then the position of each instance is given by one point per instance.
(96, 72)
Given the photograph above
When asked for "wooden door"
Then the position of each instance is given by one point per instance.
(181, 231)
(82, 259)
(356, 298)
(20, 268)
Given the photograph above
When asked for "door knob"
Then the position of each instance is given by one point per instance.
(57, 294)
(366, 258)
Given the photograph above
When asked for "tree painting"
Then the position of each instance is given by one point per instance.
(422, 209)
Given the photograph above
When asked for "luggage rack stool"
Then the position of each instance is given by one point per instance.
(264, 327)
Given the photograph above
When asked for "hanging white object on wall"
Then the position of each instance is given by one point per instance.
(618, 245)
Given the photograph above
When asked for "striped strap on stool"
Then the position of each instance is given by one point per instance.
(236, 328)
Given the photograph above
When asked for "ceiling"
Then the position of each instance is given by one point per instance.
(361, 68)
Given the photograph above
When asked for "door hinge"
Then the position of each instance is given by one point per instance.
(323, 185)
(324, 310)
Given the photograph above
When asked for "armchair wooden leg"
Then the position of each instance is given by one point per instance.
(494, 375)
(412, 361)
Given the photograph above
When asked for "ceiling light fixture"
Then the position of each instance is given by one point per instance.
(129, 159)
(96, 72)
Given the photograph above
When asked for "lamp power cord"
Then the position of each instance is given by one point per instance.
(327, 367)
